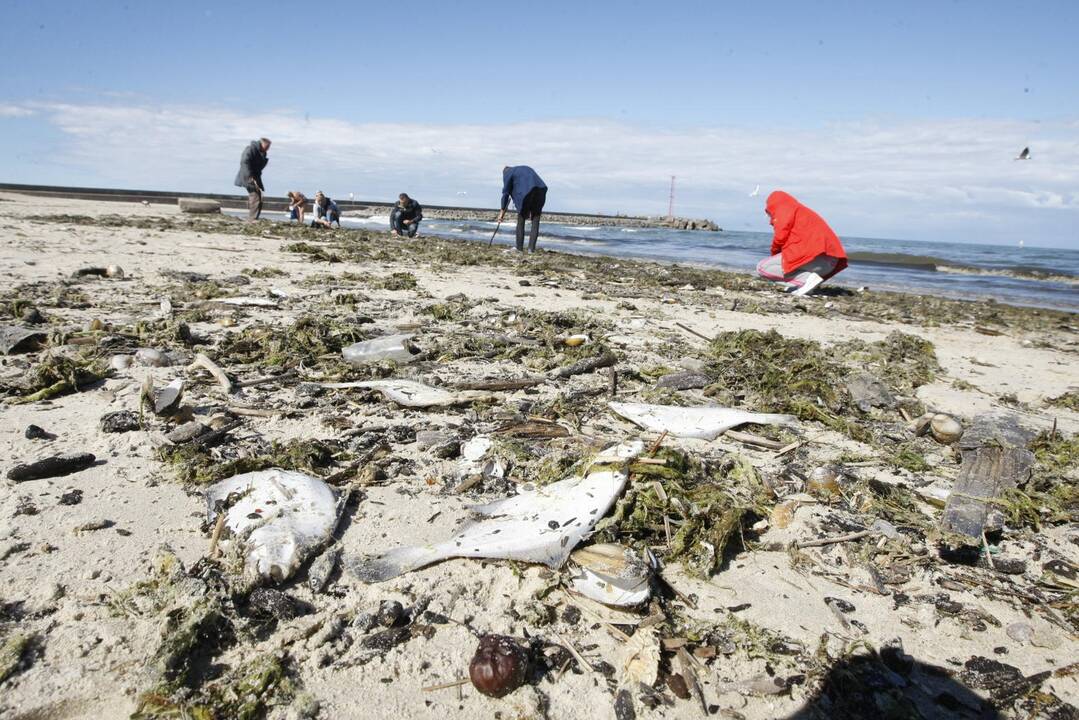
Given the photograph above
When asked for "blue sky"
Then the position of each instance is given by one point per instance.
(890, 119)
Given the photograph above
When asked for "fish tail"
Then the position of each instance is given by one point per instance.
(773, 419)
(390, 564)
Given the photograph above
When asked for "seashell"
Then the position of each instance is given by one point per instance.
(151, 358)
(114, 271)
(575, 340)
(95, 325)
(946, 429)
(499, 666)
(783, 513)
(120, 362)
(611, 574)
(920, 425)
(226, 321)
(824, 480)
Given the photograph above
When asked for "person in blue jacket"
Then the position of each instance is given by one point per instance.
(326, 212)
(529, 193)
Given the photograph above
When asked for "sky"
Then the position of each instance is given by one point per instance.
(890, 119)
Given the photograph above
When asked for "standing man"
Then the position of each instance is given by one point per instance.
(249, 177)
(529, 193)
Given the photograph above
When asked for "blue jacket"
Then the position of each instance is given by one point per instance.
(330, 212)
(517, 182)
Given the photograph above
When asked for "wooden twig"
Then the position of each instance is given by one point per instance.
(655, 446)
(214, 369)
(750, 439)
(573, 651)
(215, 538)
(835, 539)
(499, 384)
(691, 331)
(266, 380)
(607, 359)
(215, 435)
(447, 686)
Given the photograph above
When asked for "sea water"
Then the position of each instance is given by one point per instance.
(1032, 276)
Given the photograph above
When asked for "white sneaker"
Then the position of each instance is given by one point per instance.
(810, 285)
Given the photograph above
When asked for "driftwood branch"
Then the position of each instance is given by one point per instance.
(750, 439)
(607, 359)
(499, 384)
(214, 369)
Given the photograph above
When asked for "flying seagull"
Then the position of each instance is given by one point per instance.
(1025, 155)
(756, 191)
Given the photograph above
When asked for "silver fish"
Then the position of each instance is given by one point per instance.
(280, 516)
(542, 526)
(706, 423)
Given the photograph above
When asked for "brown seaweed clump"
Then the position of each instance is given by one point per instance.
(690, 507)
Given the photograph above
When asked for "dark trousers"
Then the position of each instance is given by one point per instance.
(254, 203)
(531, 208)
(397, 222)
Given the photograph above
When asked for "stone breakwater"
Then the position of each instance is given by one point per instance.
(677, 223)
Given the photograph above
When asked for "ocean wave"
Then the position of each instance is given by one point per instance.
(930, 263)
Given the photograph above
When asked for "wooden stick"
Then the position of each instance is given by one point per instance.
(691, 331)
(750, 439)
(446, 686)
(618, 634)
(266, 380)
(215, 370)
(833, 540)
(573, 651)
(655, 446)
(219, 526)
(499, 384)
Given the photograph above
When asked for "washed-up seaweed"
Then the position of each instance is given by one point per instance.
(55, 375)
(690, 506)
(198, 465)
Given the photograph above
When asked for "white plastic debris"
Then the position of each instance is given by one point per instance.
(389, 347)
(280, 516)
(409, 393)
(245, 301)
(541, 526)
(706, 423)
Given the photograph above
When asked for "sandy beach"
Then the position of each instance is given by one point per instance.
(97, 587)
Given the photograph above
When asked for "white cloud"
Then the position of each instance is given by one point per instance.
(14, 111)
(952, 179)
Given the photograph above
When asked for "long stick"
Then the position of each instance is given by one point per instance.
(497, 226)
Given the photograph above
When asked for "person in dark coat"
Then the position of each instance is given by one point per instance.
(326, 212)
(406, 216)
(529, 193)
(252, 163)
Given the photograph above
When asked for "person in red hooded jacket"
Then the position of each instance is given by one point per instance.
(805, 251)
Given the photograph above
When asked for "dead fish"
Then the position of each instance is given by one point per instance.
(611, 574)
(280, 516)
(409, 393)
(541, 525)
(706, 423)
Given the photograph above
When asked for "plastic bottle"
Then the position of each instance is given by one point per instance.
(390, 347)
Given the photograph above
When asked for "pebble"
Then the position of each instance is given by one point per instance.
(119, 421)
(34, 432)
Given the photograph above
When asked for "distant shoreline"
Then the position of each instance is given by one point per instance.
(238, 201)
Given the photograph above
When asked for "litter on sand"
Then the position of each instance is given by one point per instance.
(409, 393)
(280, 516)
(541, 526)
(706, 423)
(611, 574)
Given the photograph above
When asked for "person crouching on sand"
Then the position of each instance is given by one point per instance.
(297, 205)
(406, 216)
(805, 251)
(326, 212)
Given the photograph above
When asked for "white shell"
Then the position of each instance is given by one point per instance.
(120, 362)
(114, 271)
(611, 574)
(946, 429)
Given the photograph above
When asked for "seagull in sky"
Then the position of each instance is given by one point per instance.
(1025, 155)
(756, 191)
